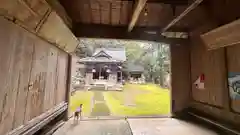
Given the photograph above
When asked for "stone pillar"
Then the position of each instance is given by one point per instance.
(88, 78)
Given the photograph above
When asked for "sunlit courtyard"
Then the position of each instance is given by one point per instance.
(133, 100)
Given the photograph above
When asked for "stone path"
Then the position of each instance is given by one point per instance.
(100, 107)
(95, 127)
(129, 100)
(141, 126)
(166, 126)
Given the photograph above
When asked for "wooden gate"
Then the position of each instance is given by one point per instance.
(33, 75)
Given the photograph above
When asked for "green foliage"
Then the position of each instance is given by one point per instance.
(153, 56)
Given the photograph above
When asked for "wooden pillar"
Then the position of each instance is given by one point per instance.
(181, 82)
(69, 82)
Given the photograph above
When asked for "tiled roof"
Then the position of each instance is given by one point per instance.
(97, 59)
(134, 68)
(115, 53)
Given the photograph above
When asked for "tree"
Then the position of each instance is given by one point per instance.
(153, 56)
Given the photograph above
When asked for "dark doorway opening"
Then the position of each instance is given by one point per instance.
(136, 75)
(119, 76)
(96, 73)
(104, 74)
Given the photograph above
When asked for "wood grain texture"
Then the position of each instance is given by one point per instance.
(210, 63)
(95, 10)
(61, 11)
(50, 87)
(126, 11)
(216, 76)
(105, 10)
(37, 80)
(56, 32)
(62, 76)
(5, 39)
(225, 11)
(181, 83)
(152, 10)
(28, 76)
(215, 98)
(191, 7)
(197, 68)
(148, 15)
(32, 11)
(137, 11)
(233, 56)
(7, 62)
(15, 78)
(194, 19)
(85, 13)
(14, 81)
(24, 76)
(143, 19)
(218, 113)
(115, 12)
(223, 36)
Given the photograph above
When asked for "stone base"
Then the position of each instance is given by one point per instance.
(104, 85)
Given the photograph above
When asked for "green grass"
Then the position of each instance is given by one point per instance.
(152, 100)
(100, 109)
(81, 97)
(147, 99)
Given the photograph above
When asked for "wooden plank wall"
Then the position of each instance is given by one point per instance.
(32, 76)
(56, 32)
(39, 18)
(27, 13)
(180, 67)
(215, 65)
(61, 76)
(212, 65)
(37, 80)
(8, 75)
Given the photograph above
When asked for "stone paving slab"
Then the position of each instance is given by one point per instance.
(140, 126)
(100, 107)
(166, 126)
(95, 127)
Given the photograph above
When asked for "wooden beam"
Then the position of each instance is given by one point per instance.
(119, 32)
(138, 8)
(28, 7)
(55, 4)
(183, 14)
(171, 2)
(221, 37)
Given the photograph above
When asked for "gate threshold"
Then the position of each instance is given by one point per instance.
(215, 123)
